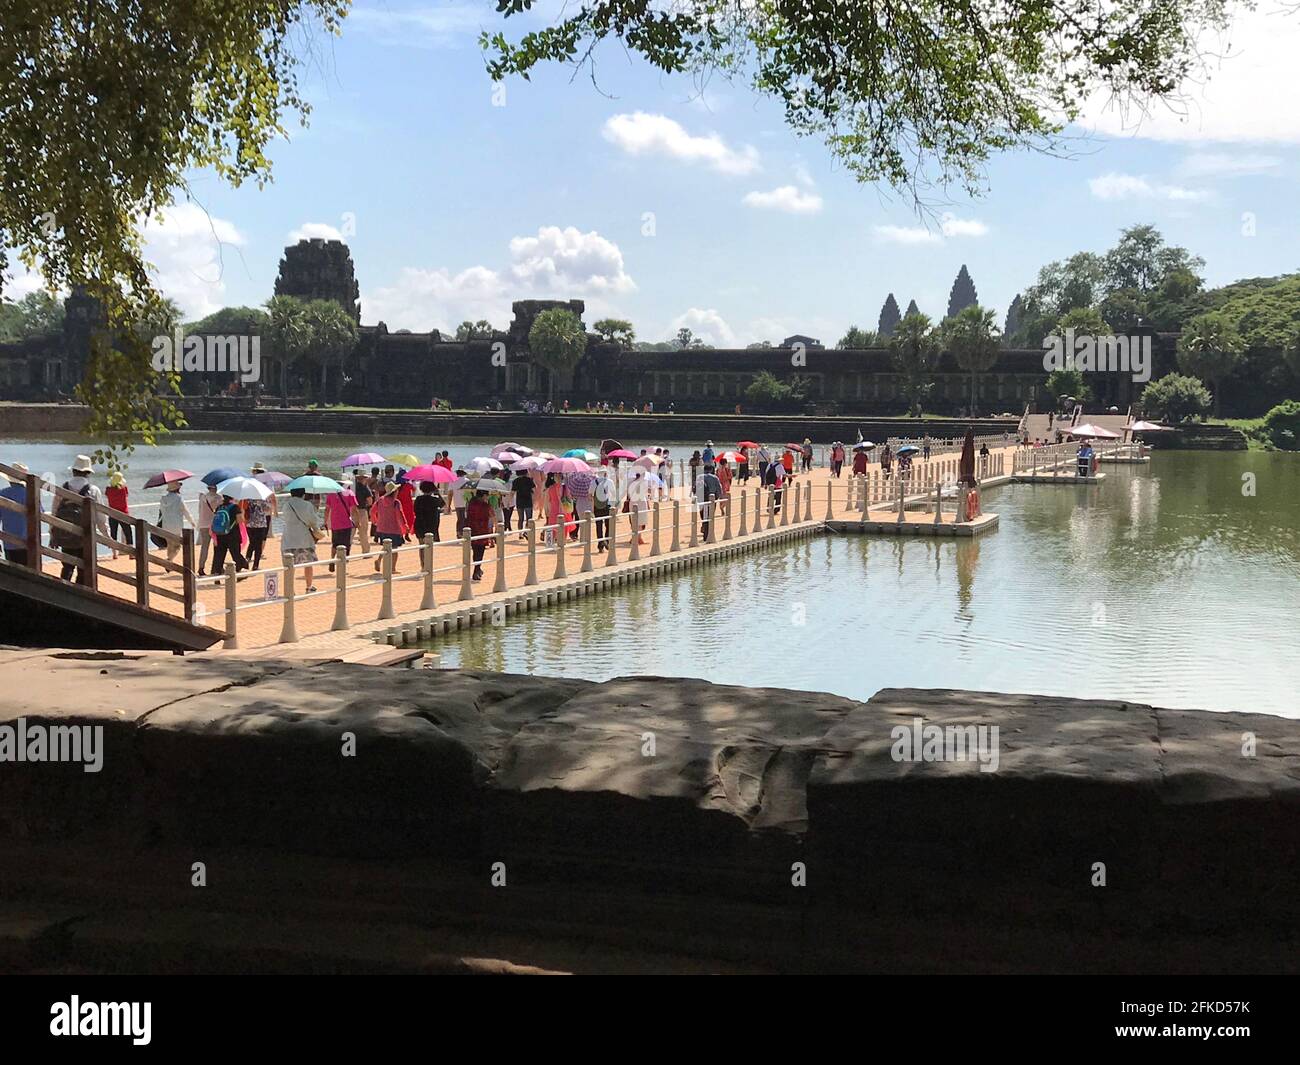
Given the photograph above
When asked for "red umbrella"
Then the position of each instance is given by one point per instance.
(621, 453)
(748, 443)
(167, 477)
(732, 456)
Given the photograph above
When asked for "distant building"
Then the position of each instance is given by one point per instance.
(799, 338)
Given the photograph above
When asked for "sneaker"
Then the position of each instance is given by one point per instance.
(311, 589)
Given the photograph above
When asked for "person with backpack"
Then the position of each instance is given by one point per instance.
(70, 510)
(226, 522)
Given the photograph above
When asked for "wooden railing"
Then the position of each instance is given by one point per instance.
(90, 533)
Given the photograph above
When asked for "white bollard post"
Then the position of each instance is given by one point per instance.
(588, 535)
(386, 602)
(531, 577)
(677, 529)
(427, 601)
(695, 516)
(744, 525)
(726, 522)
(232, 601)
(288, 631)
(611, 556)
(500, 584)
(561, 550)
(340, 590)
(654, 535)
(466, 566)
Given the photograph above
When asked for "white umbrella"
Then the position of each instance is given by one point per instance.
(510, 445)
(244, 488)
(649, 462)
(483, 465)
(488, 484)
(532, 462)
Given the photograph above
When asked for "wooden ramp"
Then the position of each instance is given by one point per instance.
(37, 609)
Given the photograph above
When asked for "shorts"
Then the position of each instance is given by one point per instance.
(389, 538)
(298, 556)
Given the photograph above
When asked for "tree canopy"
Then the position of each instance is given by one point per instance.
(907, 92)
(104, 109)
(557, 341)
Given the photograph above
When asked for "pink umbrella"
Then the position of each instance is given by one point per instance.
(621, 453)
(167, 477)
(565, 466)
(436, 474)
(1095, 432)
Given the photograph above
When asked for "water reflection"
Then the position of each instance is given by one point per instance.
(1162, 585)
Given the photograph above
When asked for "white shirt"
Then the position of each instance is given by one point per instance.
(299, 516)
(208, 503)
(172, 512)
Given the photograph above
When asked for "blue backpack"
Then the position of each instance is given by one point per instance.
(223, 519)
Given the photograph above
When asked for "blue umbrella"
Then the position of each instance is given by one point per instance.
(221, 473)
(314, 484)
(907, 449)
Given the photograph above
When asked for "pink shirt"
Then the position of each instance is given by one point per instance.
(338, 510)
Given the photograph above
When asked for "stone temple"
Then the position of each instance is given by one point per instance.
(407, 369)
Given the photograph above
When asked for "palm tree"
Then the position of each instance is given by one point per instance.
(290, 335)
(973, 338)
(557, 341)
(914, 351)
(333, 336)
(1209, 348)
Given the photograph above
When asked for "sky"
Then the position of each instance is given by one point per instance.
(666, 204)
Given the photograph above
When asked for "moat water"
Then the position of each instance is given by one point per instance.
(1175, 584)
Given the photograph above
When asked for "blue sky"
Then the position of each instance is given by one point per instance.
(664, 207)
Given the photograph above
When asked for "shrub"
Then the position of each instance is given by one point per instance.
(1176, 398)
(1281, 426)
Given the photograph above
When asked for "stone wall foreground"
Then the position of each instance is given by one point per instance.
(615, 857)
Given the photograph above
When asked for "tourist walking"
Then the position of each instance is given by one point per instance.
(207, 506)
(807, 454)
(602, 500)
(70, 510)
(300, 534)
(742, 467)
(508, 499)
(776, 481)
(365, 499)
(227, 521)
(553, 501)
(708, 490)
(695, 463)
(458, 496)
(118, 496)
(428, 514)
(764, 460)
(390, 522)
(172, 516)
(257, 522)
(340, 519)
(523, 486)
(886, 459)
(707, 456)
(481, 523)
(14, 522)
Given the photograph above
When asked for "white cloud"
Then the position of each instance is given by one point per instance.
(1234, 98)
(907, 235)
(952, 226)
(20, 281)
(1223, 164)
(1135, 187)
(708, 325)
(185, 247)
(447, 25)
(802, 176)
(558, 263)
(567, 261)
(438, 299)
(640, 133)
(308, 230)
(786, 198)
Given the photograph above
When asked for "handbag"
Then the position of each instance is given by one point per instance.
(316, 535)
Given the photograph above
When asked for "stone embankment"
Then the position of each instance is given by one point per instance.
(349, 818)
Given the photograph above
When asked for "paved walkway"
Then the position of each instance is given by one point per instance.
(260, 622)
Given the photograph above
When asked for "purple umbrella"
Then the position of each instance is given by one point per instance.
(274, 478)
(363, 458)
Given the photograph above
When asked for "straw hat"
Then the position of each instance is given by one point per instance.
(257, 467)
(390, 488)
(20, 467)
(81, 464)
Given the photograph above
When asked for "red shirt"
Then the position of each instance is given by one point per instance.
(478, 516)
(117, 497)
